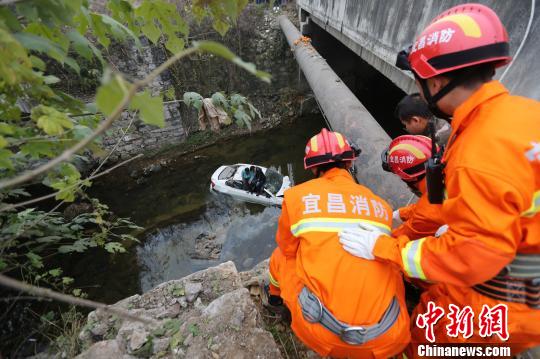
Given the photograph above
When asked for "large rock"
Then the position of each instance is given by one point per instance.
(208, 314)
(104, 349)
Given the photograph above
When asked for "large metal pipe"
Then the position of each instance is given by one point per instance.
(347, 115)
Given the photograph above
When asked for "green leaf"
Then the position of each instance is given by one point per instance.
(38, 149)
(65, 180)
(35, 260)
(119, 31)
(194, 329)
(48, 239)
(5, 161)
(73, 64)
(238, 100)
(219, 100)
(221, 26)
(220, 50)
(67, 280)
(151, 31)
(77, 246)
(175, 44)
(18, 192)
(55, 272)
(76, 292)
(150, 108)
(242, 118)
(3, 264)
(37, 63)
(176, 340)
(80, 132)
(159, 332)
(172, 326)
(82, 19)
(9, 18)
(50, 79)
(110, 94)
(253, 111)
(193, 99)
(41, 44)
(114, 247)
(231, 8)
(50, 120)
(169, 94)
(100, 29)
(177, 291)
(80, 44)
(3, 142)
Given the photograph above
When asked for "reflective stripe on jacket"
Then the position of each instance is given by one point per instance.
(313, 213)
(492, 178)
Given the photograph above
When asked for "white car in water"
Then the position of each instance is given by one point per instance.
(228, 180)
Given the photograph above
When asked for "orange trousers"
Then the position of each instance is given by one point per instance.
(523, 322)
(285, 283)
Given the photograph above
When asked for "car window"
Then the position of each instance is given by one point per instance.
(234, 184)
(274, 180)
(227, 173)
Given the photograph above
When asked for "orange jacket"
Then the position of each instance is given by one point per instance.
(356, 291)
(406, 212)
(421, 219)
(492, 179)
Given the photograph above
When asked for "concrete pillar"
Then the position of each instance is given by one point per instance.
(347, 115)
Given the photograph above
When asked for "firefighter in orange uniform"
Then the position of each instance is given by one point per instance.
(340, 306)
(490, 254)
(406, 157)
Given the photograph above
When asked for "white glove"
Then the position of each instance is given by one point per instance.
(396, 216)
(442, 229)
(360, 241)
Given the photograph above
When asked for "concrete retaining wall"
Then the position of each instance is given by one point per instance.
(377, 29)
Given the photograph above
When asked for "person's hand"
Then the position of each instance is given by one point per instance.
(360, 241)
(442, 229)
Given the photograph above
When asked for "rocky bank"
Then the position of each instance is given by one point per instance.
(208, 314)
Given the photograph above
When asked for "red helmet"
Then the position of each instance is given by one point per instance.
(463, 36)
(327, 147)
(406, 156)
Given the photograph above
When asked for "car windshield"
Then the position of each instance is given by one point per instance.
(227, 173)
(274, 180)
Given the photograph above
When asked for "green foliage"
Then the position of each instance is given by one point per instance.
(219, 100)
(224, 12)
(160, 19)
(50, 120)
(193, 99)
(194, 329)
(111, 93)
(237, 106)
(38, 121)
(150, 108)
(177, 291)
(65, 179)
(26, 233)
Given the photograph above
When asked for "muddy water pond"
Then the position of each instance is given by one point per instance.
(187, 228)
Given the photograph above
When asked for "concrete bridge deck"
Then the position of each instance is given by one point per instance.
(377, 29)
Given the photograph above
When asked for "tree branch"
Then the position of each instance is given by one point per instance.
(48, 293)
(67, 154)
(51, 195)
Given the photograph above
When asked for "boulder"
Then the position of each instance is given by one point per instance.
(104, 349)
(208, 314)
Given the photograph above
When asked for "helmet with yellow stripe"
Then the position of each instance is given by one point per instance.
(327, 147)
(406, 157)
